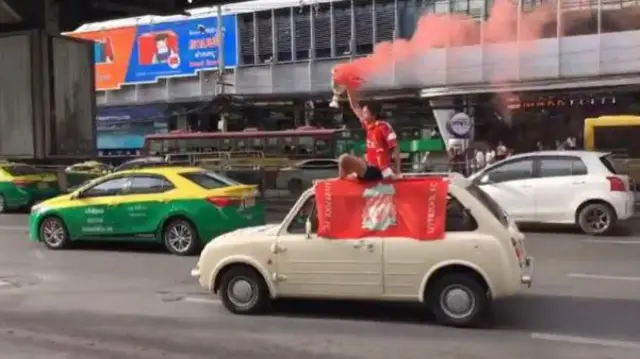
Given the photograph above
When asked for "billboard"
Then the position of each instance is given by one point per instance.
(146, 53)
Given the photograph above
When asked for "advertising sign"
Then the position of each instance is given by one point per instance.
(112, 52)
(146, 53)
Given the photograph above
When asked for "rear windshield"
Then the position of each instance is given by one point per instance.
(209, 180)
(489, 202)
(610, 163)
(21, 170)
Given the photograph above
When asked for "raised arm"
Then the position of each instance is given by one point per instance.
(355, 105)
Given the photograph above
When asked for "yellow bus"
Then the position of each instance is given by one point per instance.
(619, 135)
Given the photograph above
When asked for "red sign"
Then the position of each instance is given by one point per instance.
(412, 207)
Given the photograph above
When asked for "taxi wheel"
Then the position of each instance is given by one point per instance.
(53, 233)
(3, 207)
(243, 291)
(459, 300)
(180, 237)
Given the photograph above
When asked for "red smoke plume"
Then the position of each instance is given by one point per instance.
(450, 30)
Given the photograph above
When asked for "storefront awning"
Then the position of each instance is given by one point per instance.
(548, 85)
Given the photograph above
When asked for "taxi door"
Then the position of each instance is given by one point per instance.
(90, 213)
(143, 206)
(309, 265)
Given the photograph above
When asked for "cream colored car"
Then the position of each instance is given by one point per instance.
(481, 258)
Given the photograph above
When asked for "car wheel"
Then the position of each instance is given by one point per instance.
(3, 206)
(243, 291)
(295, 186)
(597, 219)
(53, 233)
(459, 300)
(180, 237)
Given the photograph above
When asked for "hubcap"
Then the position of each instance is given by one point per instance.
(457, 302)
(242, 292)
(53, 233)
(180, 237)
(598, 219)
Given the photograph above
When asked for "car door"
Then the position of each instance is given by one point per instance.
(143, 206)
(510, 184)
(320, 267)
(559, 180)
(91, 214)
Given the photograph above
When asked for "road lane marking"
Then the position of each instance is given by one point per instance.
(607, 241)
(587, 341)
(14, 228)
(604, 277)
(201, 300)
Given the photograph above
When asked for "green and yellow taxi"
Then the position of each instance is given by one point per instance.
(180, 207)
(80, 173)
(22, 185)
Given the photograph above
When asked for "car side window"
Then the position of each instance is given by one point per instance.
(149, 184)
(511, 171)
(558, 167)
(109, 187)
(319, 164)
(458, 218)
(307, 211)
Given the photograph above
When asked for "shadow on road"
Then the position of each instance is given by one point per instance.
(587, 317)
(116, 246)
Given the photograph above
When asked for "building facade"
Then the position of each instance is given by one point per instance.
(282, 54)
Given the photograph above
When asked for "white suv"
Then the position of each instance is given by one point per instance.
(561, 187)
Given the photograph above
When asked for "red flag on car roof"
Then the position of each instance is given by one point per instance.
(411, 207)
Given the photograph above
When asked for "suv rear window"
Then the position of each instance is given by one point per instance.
(21, 170)
(610, 163)
(209, 180)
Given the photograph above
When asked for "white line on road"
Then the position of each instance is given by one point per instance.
(608, 241)
(201, 300)
(14, 228)
(588, 341)
(601, 276)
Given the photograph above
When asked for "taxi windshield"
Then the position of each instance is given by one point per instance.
(490, 203)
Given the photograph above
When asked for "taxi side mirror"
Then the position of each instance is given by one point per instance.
(75, 196)
(485, 179)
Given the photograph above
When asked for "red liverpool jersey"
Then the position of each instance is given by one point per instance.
(381, 140)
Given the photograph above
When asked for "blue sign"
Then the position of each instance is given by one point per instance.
(132, 113)
(124, 128)
(181, 48)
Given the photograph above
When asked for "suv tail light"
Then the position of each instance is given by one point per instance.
(616, 184)
(223, 201)
(21, 183)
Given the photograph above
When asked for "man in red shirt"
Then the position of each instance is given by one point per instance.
(382, 157)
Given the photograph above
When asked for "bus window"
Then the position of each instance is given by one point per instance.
(182, 145)
(194, 145)
(272, 145)
(305, 146)
(241, 145)
(155, 146)
(210, 144)
(288, 145)
(617, 139)
(226, 144)
(323, 148)
(170, 146)
(257, 144)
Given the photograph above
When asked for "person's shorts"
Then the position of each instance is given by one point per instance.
(372, 173)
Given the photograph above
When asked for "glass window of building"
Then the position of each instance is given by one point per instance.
(322, 22)
(342, 25)
(364, 29)
(245, 33)
(303, 31)
(265, 37)
(283, 29)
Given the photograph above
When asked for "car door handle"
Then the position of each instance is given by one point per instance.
(365, 245)
(359, 244)
(578, 182)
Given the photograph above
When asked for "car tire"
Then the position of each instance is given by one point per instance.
(3, 205)
(244, 291)
(597, 219)
(180, 237)
(463, 291)
(295, 186)
(53, 233)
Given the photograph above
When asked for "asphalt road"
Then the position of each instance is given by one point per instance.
(131, 302)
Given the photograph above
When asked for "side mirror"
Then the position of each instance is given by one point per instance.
(485, 179)
(308, 228)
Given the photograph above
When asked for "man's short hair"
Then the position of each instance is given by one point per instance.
(162, 37)
(373, 107)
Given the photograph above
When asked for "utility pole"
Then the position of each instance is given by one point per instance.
(222, 123)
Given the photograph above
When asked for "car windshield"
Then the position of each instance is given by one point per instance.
(489, 202)
(21, 170)
(209, 180)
